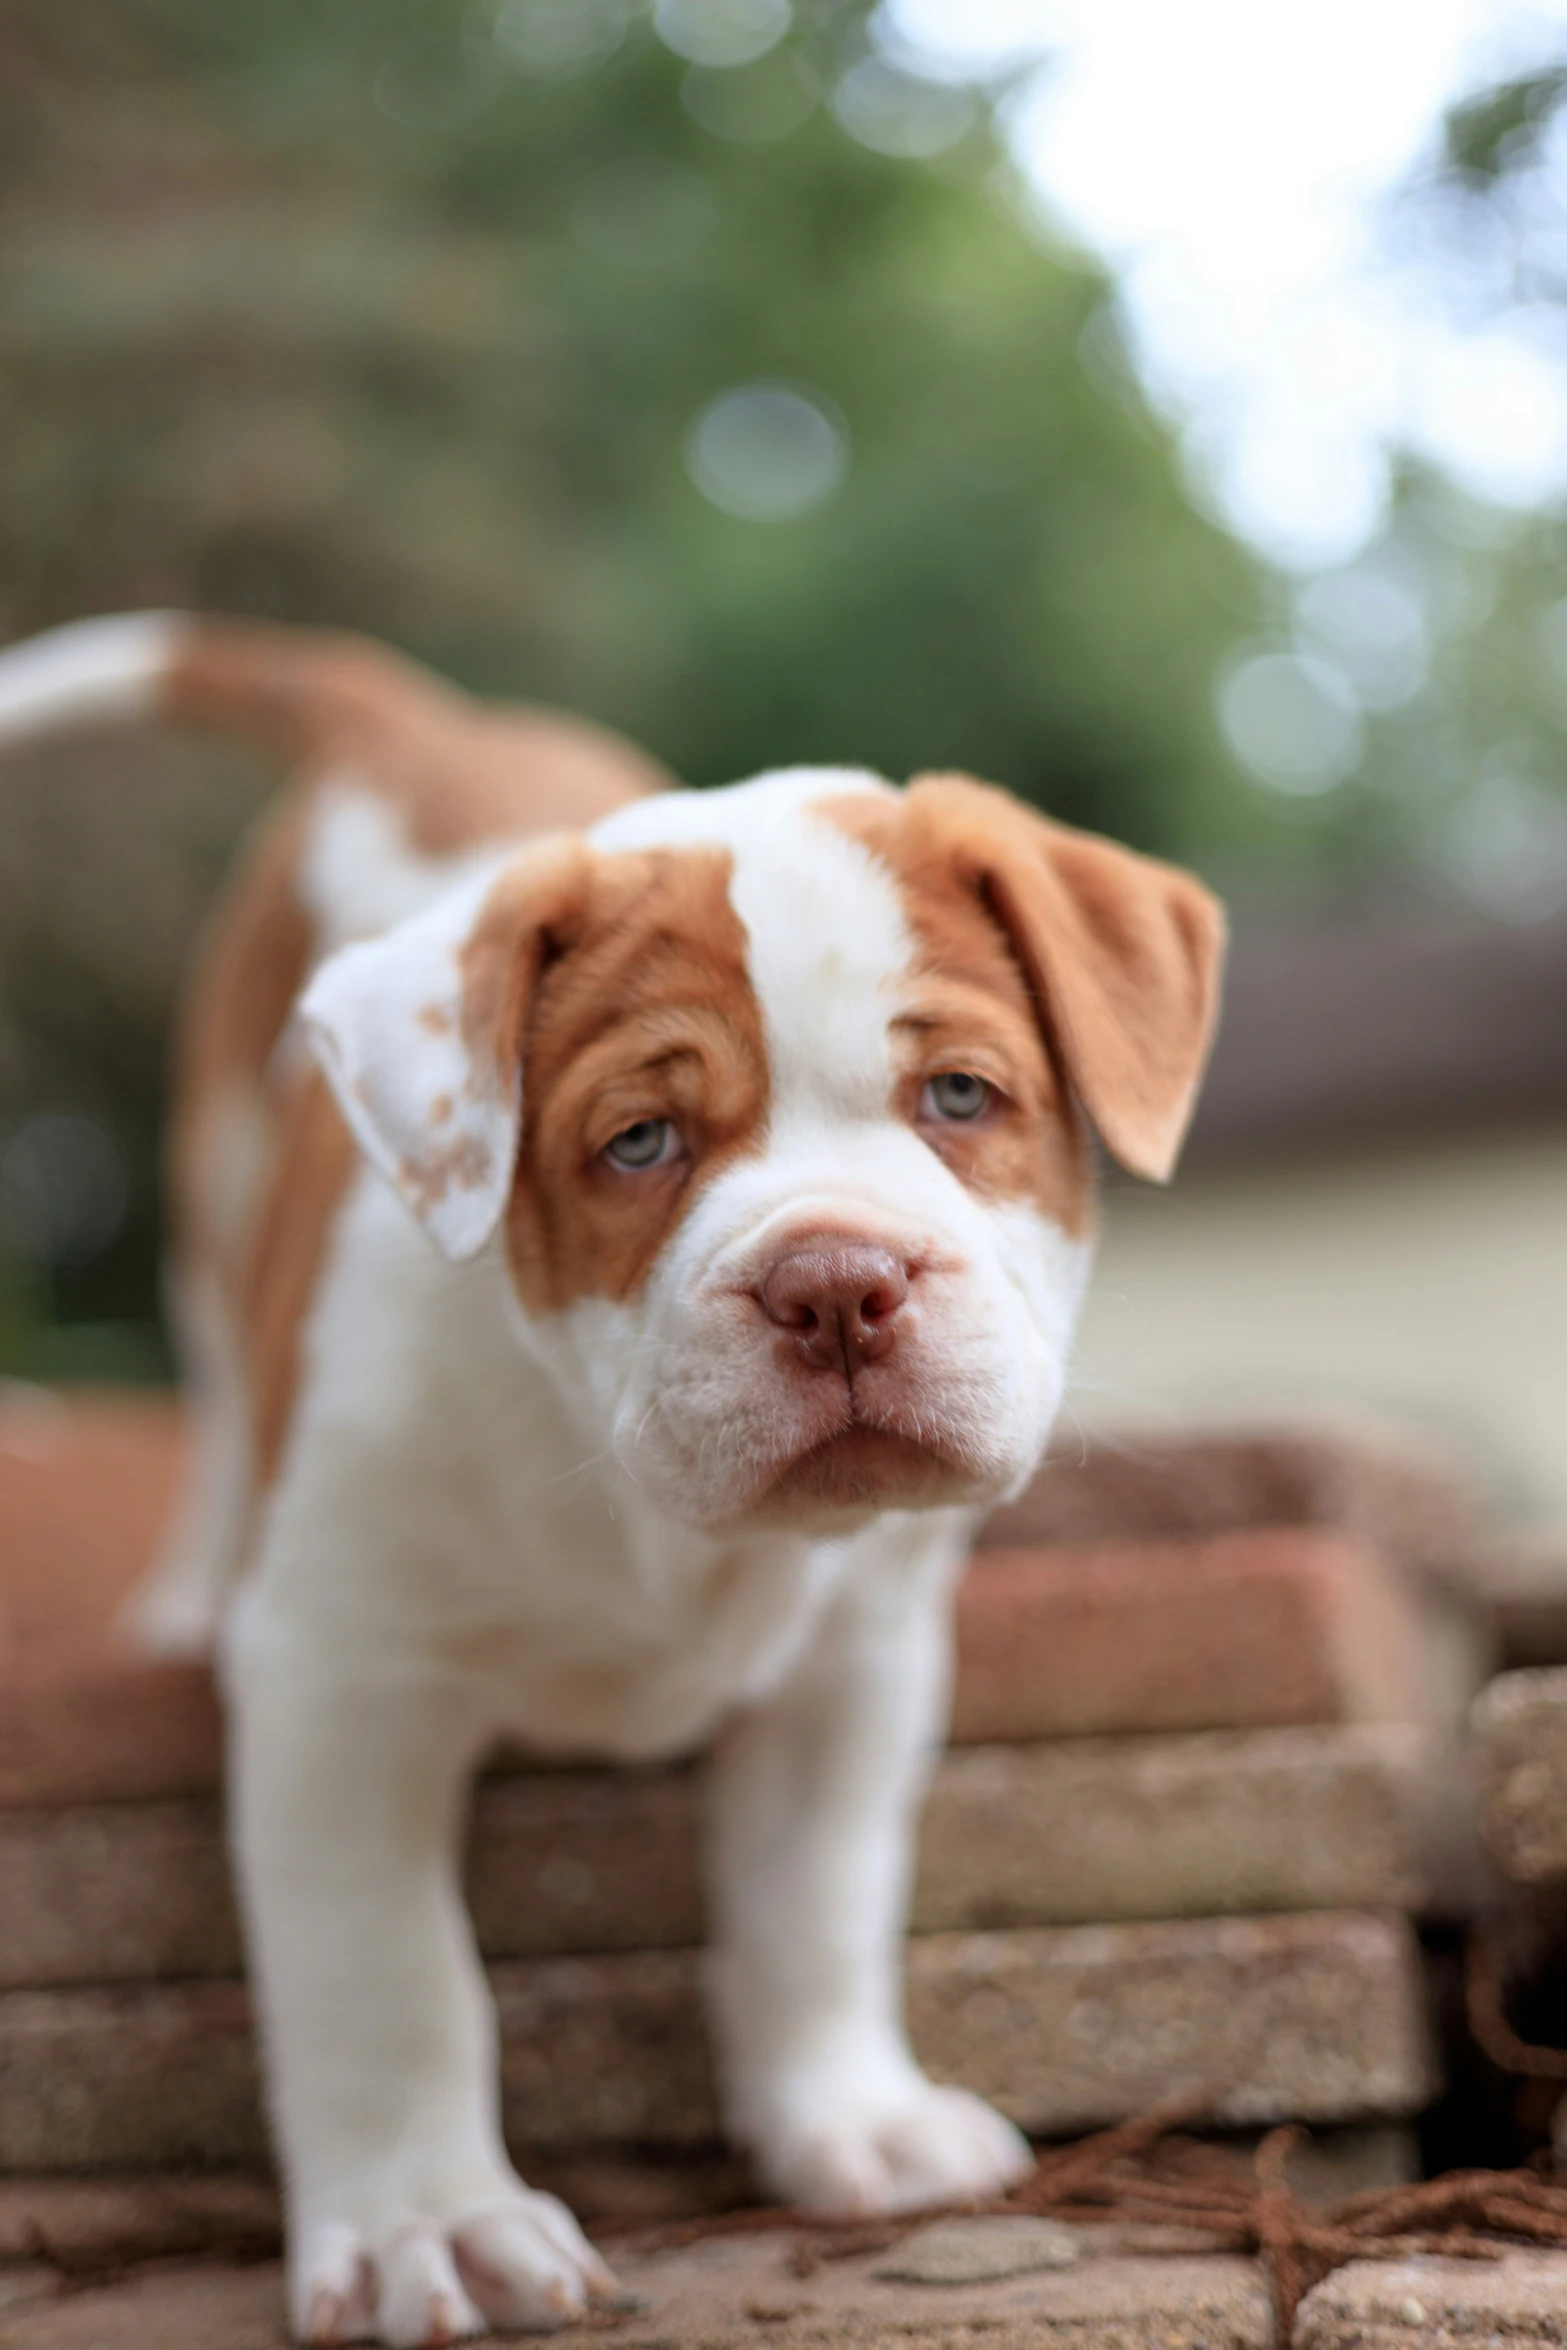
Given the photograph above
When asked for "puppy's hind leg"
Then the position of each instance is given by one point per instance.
(176, 1608)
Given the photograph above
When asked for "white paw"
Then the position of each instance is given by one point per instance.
(927, 2146)
(521, 2264)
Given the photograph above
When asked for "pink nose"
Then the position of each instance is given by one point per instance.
(838, 1303)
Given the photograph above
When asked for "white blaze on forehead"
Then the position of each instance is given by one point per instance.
(827, 939)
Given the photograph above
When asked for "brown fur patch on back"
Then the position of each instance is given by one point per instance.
(969, 1007)
(640, 1007)
(457, 771)
(313, 1166)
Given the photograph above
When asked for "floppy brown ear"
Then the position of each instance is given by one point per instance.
(1122, 954)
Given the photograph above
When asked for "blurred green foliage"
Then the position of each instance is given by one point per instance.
(398, 313)
(340, 313)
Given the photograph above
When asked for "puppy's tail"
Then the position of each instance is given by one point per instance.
(305, 693)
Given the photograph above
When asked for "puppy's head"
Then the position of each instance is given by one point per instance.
(773, 1102)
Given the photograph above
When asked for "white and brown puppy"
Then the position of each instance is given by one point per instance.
(614, 1346)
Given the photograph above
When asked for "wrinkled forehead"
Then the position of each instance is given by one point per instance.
(828, 936)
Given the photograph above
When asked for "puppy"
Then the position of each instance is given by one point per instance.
(624, 1238)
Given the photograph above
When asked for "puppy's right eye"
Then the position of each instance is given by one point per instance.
(957, 1095)
(651, 1142)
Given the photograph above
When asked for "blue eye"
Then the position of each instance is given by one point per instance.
(957, 1094)
(649, 1143)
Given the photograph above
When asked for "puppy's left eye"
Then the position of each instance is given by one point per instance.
(955, 1094)
(651, 1142)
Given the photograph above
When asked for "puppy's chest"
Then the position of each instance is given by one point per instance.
(596, 1625)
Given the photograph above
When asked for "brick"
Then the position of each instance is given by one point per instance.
(85, 1490)
(108, 2223)
(1520, 1751)
(1208, 1824)
(1315, 2017)
(104, 1726)
(1059, 1833)
(1389, 1489)
(738, 2293)
(1428, 2304)
(1246, 1630)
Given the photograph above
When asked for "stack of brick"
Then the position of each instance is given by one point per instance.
(1175, 1844)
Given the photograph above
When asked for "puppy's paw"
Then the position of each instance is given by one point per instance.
(926, 2146)
(521, 2265)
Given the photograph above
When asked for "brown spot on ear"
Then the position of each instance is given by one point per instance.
(640, 1006)
(1121, 954)
(462, 1165)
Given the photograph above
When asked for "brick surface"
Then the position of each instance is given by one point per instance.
(1243, 1630)
(1520, 1752)
(1248, 1628)
(739, 2291)
(1315, 2017)
(1392, 1491)
(1062, 1833)
(1426, 2304)
(85, 1490)
(104, 2224)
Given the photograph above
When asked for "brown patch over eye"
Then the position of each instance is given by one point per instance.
(642, 1012)
(969, 1008)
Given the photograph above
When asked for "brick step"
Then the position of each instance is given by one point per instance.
(1064, 1833)
(1519, 1726)
(746, 2292)
(1251, 1628)
(1317, 2018)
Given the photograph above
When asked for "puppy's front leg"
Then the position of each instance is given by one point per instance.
(407, 2224)
(815, 1802)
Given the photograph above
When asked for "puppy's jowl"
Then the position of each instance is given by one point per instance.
(624, 1239)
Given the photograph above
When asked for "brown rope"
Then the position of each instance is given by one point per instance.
(1483, 1997)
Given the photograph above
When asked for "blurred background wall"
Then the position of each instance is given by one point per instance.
(1161, 412)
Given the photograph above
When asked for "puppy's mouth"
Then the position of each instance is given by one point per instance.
(867, 1462)
(865, 1468)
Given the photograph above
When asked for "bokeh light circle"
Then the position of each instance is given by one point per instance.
(767, 452)
(897, 113)
(721, 32)
(1292, 720)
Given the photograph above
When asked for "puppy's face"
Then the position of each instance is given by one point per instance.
(773, 1100)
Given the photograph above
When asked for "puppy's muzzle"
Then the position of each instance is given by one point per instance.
(837, 1305)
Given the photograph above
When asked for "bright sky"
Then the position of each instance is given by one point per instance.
(1232, 160)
